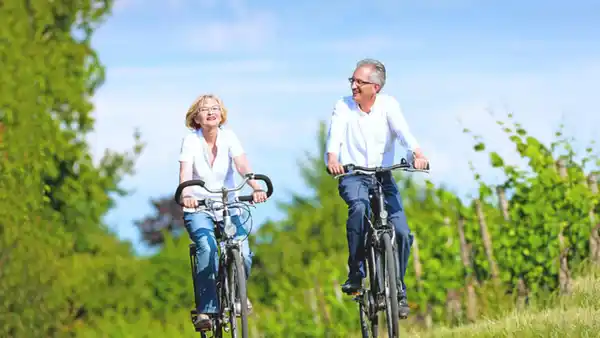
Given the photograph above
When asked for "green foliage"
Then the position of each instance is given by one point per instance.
(168, 218)
(58, 262)
(542, 204)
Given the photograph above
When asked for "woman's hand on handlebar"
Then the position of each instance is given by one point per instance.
(190, 202)
(259, 196)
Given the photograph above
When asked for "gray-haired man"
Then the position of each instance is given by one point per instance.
(362, 131)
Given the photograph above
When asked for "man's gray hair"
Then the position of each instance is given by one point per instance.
(378, 75)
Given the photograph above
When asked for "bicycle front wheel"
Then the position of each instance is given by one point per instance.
(237, 295)
(390, 287)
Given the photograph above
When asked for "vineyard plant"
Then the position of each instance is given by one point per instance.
(63, 273)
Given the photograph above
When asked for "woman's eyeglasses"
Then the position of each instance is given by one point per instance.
(214, 109)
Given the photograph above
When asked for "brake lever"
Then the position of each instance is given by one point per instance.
(417, 170)
(341, 175)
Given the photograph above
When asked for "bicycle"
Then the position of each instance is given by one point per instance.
(231, 281)
(381, 253)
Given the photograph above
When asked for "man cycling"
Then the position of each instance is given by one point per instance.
(362, 131)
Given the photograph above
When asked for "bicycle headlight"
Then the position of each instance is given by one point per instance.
(230, 228)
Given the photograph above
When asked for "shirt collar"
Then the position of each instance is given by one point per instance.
(360, 111)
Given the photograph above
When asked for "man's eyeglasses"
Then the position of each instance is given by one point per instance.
(359, 82)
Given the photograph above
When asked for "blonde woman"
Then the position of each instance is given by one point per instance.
(210, 153)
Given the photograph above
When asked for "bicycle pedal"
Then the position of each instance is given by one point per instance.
(205, 328)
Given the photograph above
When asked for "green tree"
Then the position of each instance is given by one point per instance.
(59, 263)
(167, 219)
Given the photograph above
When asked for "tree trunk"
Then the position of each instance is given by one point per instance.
(595, 224)
(564, 275)
(487, 242)
(466, 259)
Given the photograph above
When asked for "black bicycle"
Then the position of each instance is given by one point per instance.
(381, 256)
(231, 281)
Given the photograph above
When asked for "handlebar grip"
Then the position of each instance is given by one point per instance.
(267, 181)
(183, 185)
(246, 198)
(259, 177)
(347, 167)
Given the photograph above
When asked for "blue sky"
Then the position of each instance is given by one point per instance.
(280, 66)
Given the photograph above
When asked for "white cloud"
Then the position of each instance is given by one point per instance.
(238, 7)
(124, 5)
(249, 33)
(196, 69)
(372, 45)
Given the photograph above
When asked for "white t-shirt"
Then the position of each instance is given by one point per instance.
(368, 139)
(194, 149)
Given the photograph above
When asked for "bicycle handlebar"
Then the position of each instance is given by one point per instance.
(223, 191)
(404, 165)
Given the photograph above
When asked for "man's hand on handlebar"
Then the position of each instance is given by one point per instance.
(420, 161)
(259, 196)
(190, 202)
(333, 165)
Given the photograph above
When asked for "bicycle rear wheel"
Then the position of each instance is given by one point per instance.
(237, 292)
(390, 287)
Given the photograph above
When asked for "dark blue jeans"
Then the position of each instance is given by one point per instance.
(354, 190)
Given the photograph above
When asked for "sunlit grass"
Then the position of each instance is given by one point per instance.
(574, 315)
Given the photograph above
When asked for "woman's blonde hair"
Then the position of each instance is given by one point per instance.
(194, 110)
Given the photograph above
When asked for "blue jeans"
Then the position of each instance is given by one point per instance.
(200, 227)
(354, 190)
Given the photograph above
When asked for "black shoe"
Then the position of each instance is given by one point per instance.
(403, 309)
(351, 286)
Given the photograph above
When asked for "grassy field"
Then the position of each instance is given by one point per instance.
(575, 315)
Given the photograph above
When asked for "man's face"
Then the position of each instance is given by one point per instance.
(360, 82)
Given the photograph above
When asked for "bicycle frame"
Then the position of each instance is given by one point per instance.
(378, 222)
(378, 225)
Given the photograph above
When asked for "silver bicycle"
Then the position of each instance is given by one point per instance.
(231, 281)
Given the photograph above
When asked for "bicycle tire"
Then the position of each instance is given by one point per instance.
(365, 322)
(222, 291)
(237, 282)
(375, 287)
(391, 288)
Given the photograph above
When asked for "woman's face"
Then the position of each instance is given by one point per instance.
(209, 114)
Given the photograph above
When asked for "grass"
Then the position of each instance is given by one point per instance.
(573, 315)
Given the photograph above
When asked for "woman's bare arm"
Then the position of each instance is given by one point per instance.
(185, 174)
(243, 167)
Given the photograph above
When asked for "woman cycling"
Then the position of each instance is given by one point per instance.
(210, 152)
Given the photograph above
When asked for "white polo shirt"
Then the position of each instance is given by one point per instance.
(194, 149)
(368, 139)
